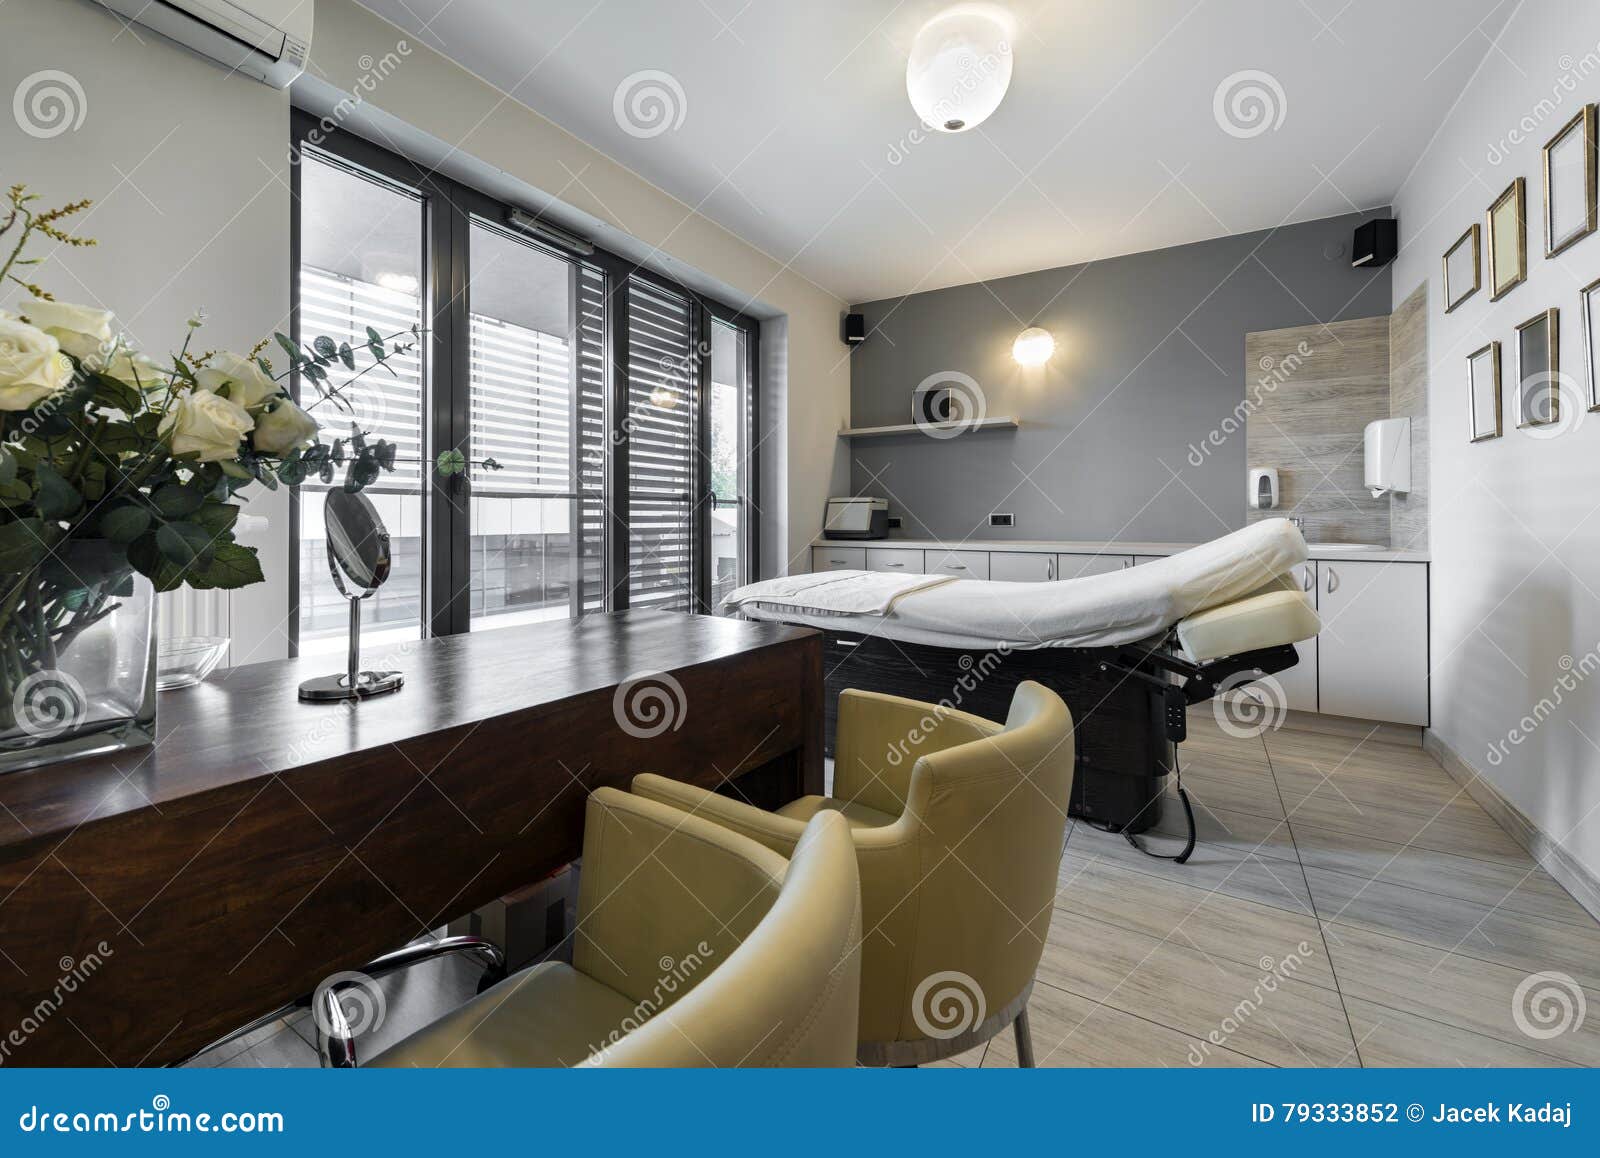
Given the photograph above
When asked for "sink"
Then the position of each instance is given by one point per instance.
(1328, 548)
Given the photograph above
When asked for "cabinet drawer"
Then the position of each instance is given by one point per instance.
(894, 559)
(1022, 566)
(962, 564)
(1299, 683)
(838, 558)
(1077, 566)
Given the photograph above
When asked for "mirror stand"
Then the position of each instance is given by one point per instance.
(353, 683)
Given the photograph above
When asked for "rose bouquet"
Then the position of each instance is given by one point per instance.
(116, 463)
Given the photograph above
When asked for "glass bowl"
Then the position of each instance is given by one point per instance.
(184, 662)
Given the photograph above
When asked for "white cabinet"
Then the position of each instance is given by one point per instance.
(838, 558)
(1076, 566)
(894, 559)
(1022, 566)
(962, 564)
(1299, 683)
(1372, 660)
(1141, 560)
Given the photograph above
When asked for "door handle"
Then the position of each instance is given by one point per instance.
(1050, 568)
(956, 566)
(847, 642)
(896, 564)
(1305, 584)
(1126, 563)
(1333, 581)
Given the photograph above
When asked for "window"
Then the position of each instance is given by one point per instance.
(606, 414)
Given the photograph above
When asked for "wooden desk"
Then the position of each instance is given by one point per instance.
(263, 844)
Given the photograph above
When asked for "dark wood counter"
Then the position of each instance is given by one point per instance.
(262, 844)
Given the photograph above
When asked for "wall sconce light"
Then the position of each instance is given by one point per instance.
(1033, 347)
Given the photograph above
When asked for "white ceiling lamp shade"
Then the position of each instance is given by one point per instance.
(1033, 347)
(960, 67)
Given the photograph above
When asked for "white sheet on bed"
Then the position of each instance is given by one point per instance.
(1095, 611)
(838, 592)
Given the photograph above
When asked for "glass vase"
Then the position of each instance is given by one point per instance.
(77, 657)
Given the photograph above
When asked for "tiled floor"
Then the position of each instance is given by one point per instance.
(1347, 905)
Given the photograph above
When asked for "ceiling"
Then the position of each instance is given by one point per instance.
(793, 129)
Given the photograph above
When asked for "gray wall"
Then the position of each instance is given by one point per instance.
(1149, 361)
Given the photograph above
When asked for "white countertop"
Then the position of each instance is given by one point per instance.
(1083, 547)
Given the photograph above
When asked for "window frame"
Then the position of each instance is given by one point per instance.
(449, 208)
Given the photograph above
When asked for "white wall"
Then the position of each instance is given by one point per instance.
(1516, 521)
(188, 167)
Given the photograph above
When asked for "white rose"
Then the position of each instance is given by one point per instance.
(32, 366)
(284, 427)
(206, 425)
(83, 332)
(132, 368)
(247, 384)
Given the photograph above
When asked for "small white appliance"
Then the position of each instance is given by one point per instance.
(1388, 447)
(856, 518)
(268, 40)
(1263, 494)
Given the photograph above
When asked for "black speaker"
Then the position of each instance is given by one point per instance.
(854, 331)
(1376, 243)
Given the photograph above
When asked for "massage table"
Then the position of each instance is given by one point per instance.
(1128, 651)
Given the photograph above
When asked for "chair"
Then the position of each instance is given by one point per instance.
(694, 947)
(958, 824)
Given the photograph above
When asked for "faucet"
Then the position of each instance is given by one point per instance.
(1298, 523)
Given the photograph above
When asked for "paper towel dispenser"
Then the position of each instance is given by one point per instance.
(1388, 447)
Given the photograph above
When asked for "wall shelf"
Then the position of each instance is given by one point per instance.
(913, 428)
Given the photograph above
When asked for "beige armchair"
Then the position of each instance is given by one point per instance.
(958, 823)
(694, 947)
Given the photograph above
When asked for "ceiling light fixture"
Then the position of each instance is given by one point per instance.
(960, 67)
(1033, 347)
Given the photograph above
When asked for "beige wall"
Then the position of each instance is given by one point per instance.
(188, 168)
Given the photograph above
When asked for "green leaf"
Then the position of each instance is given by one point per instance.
(22, 545)
(385, 451)
(8, 467)
(288, 347)
(234, 566)
(373, 337)
(451, 462)
(125, 523)
(217, 518)
(292, 473)
(347, 356)
(15, 493)
(177, 500)
(116, 395)
(324, 347)
(54, 497)
(234, 470)
(186, 543)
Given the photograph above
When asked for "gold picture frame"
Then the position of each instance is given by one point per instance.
(1483, 382)
(1454, 256)
(1538, 363)
(1569, 193)
(1589, 307)
(1507, 226)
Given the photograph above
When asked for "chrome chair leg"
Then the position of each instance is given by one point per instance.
(1024, 1040)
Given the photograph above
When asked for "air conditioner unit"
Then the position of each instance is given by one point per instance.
(265, 39)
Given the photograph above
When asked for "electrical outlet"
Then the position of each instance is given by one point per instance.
(894, 521)
(1002, 520)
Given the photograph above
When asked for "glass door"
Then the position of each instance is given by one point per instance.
(523, 507)
(730, 460)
